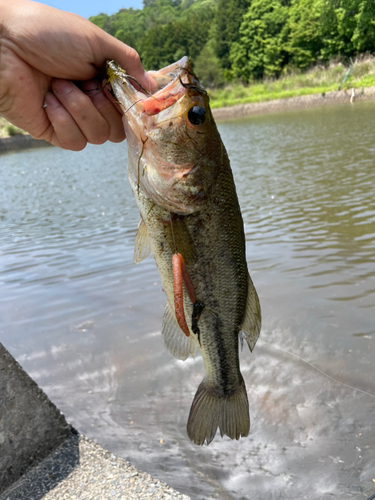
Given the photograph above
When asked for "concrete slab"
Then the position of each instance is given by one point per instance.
(30, 424)
(42, 456)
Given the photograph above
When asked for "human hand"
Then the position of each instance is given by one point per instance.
(42, 52)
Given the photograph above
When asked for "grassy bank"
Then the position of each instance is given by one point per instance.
(7, 129)
(316, 81)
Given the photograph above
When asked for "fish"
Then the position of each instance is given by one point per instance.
(191, 222)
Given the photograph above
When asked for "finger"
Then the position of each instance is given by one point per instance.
(91, 123)
(95, 92)
(64, 131)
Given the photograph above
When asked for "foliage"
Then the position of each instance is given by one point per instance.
(364, 33)
(207, 66)
(317, 80)
(7, 129)
(13, 130)
(163, 44)
(261, 50)
(245, 39)
(348, 27)
(227, 23)
(304, 39)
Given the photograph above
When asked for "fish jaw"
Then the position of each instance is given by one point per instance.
(166, 151)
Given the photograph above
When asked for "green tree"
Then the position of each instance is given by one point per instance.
(337, 27)
(207, 67)
(129, 26)
(262, 49)
(101, 20)
(364, 33)
(305, 37)
(227, 22)
(186, 35)
(348, 27)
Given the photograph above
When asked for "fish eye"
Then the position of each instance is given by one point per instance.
(196, 115)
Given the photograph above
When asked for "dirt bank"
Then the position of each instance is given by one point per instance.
(295, 103)
(18, 142)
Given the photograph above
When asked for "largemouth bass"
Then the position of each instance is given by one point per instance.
(191, 222)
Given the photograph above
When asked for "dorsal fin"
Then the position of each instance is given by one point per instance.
(174, 338)
(251, 324)
(142, 245)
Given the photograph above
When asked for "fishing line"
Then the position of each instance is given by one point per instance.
(360, 494)
(318, 369)
(139, 159)
(129, 77)
(300, 358)
(174, 241)
(134, 103)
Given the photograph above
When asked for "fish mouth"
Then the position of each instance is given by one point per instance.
(164, 145)
(173, 82)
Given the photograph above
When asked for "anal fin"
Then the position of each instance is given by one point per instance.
(174, 338)
(251, 324)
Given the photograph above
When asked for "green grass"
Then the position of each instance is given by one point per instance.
(7, 129)
(316, 81)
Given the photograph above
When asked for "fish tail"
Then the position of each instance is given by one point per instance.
(211, 410)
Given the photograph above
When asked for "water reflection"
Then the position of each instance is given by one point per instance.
(84, 321)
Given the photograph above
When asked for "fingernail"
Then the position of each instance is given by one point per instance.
(89, 85)
(62, 87)
(50, 101)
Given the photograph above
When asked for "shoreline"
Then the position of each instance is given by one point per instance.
(20, 142)
(295, 103)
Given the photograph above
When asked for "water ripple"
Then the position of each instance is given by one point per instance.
(305, 183)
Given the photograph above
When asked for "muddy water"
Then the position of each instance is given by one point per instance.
(84, 321)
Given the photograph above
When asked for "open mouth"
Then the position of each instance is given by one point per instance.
(172, 83)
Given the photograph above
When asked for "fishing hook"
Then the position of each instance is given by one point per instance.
(190, 86)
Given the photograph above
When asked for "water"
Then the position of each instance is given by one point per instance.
(84, 321)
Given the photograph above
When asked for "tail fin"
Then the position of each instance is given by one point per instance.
(211, 410)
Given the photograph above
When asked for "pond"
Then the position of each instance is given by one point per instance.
(84, 321)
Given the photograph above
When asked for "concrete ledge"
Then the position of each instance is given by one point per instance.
(81, 469)
(18, 142)
(42, 456)
(295, 103)
(30, 424)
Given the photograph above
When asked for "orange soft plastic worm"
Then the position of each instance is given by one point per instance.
(188, 284)
(180, 275)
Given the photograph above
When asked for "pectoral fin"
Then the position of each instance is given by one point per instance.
(179, 238)
(174, 338)
(251, 325)
(142, 245)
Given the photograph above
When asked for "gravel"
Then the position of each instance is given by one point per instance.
(80, 469)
